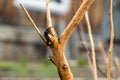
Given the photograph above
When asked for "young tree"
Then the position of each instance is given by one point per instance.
(57, 44)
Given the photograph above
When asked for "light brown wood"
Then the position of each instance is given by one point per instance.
(49, 21)
(92, 46)
(57, 45)
(109, 64)
(75, 21)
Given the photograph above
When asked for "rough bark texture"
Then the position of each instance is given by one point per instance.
(58, 56)
(57, 45)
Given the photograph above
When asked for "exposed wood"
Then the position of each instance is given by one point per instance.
(92, 45)
(109, 65)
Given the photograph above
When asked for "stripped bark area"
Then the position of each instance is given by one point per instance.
(56, 44)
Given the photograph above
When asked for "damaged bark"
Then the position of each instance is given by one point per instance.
(57, 44)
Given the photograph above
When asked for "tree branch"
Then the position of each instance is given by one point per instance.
(109, 65)
(88, 54)
(92, 45)
(117, 63)
(75, 21)
(83, 43)
(102, 50)
(105, 57)
(33, 23)
(49, 21)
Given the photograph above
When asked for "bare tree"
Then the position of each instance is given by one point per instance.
(56, 44)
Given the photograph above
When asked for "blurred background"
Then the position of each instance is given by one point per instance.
(24, 57)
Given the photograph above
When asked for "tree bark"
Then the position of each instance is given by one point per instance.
(58, 56)
(56, 44)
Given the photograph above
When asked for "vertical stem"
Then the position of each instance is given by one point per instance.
(111, 41)
(92, 45)
(105, 58)
(49, 21)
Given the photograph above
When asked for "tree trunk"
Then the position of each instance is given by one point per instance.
(61, 63)
(58, 55)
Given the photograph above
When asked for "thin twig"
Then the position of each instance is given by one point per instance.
(101, 71)
(90, 62)
(75, 21)
(117, 63)
(49, 21)
(105, 58)
(92, 45)
(109, 65)
(80, 31)
(31, 20)
(88, 55)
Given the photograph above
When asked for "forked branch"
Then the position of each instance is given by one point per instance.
(75, 21)
(33, 23)
(57, 46)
